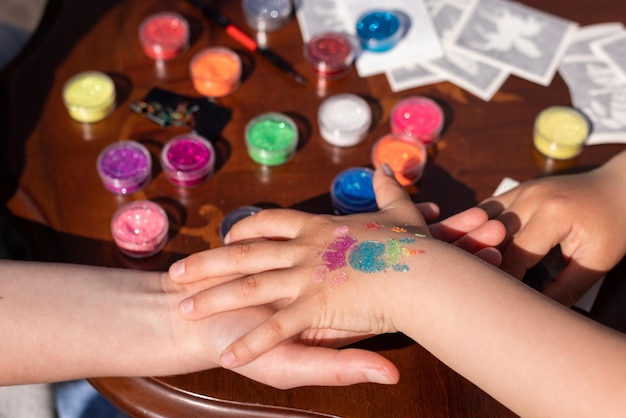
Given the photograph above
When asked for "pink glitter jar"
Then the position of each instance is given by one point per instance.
(188, 160)
(140, 228)
(164, 35)
(419, 117)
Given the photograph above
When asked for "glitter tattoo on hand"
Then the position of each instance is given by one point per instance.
(366, 256)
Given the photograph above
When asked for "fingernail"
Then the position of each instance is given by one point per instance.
(186, 306)
(227, 238)
(227, 359)
(177, 270)
(387, 170)
(378, 376)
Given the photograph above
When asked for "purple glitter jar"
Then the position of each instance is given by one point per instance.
(124, 167)
(188, 160)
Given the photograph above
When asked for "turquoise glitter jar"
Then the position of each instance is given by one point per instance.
(380, 30)
(352, 191)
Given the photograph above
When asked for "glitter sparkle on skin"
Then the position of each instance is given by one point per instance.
(341, 278)
(319, 274)
(341, 231)
(368, 257)
(373, 226)
(375, 256)
(398, 229)
(335, 255)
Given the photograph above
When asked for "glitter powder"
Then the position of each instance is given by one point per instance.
(319, 274)
(89, 96)
(420, 235)
(335, 255)
(398, 229)
(406, 240)
(373, 226)
(124, 167)
(339, 279)
(368, 257)
(380, 30)
(401, 268)
(393, 251)
(352, 191)
(271, 138)
(341, 231)
(419, 117)
(329, 54)
(164, 35)
(188, 160)
(215, 71)
(405, 155)
(140, 228)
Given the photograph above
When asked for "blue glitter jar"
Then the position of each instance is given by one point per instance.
(380, 30)
(352, 191)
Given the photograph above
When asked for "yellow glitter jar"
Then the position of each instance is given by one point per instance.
(560, 132)
(89, 96)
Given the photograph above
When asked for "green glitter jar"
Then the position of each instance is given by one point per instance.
(271, 138)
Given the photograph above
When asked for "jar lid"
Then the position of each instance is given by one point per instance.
(271, 138)
(188, 159)
(140, 228)
(352, 191)
(330, 54)
(381, 30)
(344, 119)
(124, 167)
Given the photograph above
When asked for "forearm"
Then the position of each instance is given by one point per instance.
(66, 321)
(533, 355)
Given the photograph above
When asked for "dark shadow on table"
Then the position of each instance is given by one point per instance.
(31, 75)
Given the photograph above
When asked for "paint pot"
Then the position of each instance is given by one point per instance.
(344, 119)
(352, 191)
(140, 228)
(560, 132)
(124, 167)
(234, 216)
(271, 138)
(215, 71)
(267, 15)
(188, 160)
(380, 30)
(89, 96)
(419, 117)
(405, 155)
(164, 36)
(330, 54)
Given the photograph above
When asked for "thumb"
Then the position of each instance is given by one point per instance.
(389, 193)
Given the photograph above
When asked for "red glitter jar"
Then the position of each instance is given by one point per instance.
(164, 35)
(330, 54)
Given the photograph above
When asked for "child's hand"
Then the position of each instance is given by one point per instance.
(581, 213)
(312, 264)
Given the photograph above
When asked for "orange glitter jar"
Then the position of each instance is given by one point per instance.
(215, 71)
(405, 155)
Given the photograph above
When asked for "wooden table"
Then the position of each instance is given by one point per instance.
(51, 187)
